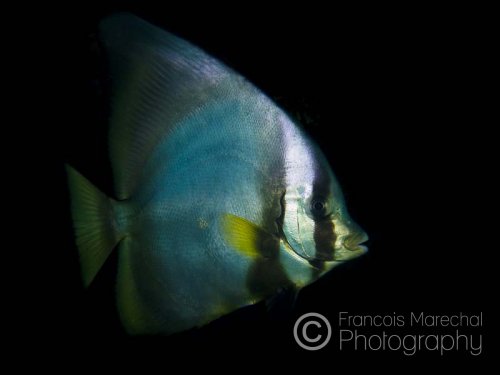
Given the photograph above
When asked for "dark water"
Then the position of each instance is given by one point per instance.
(397, 105)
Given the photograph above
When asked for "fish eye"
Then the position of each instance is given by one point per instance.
(319, 208)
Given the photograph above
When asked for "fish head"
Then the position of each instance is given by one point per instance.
(316, 224)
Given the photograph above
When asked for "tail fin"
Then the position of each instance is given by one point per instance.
(94, 223)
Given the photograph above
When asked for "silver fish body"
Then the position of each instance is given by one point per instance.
(221, 200)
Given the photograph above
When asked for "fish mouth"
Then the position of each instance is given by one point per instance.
(352, 248)
(348, 253)
(339, 255)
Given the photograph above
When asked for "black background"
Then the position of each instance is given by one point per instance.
(397, 100)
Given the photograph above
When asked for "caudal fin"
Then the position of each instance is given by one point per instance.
(94, 224)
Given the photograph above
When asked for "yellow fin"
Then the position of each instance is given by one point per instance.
(246, 237)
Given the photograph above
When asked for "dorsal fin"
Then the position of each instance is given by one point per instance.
(156, 78)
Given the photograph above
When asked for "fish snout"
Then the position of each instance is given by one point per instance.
(354, 241)
(351, 244)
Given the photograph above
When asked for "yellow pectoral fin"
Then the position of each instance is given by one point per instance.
(246, 237)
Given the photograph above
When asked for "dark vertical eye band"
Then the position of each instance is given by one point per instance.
(324, 231)
(324, 239)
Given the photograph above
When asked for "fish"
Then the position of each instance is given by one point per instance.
(220, 199)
